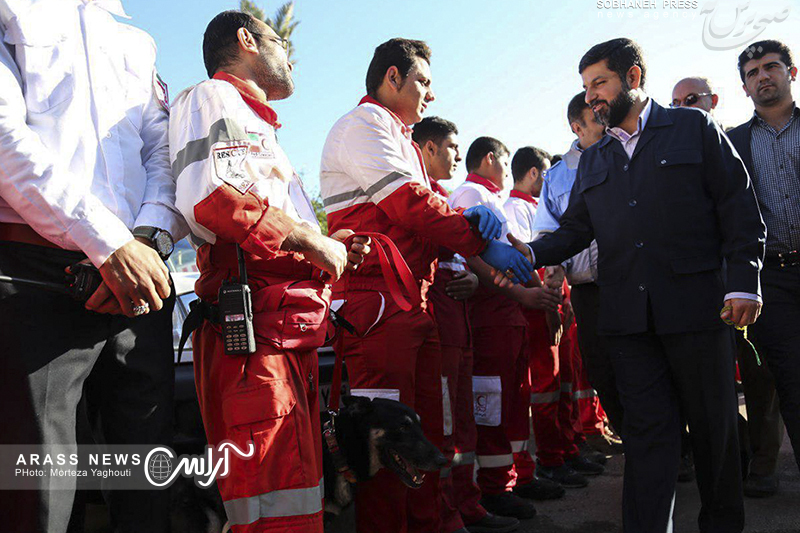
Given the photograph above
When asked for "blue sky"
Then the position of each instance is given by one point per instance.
(502, 68)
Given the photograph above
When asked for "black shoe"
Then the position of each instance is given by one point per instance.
(493, 524)
(686, 469)
(606, 443)
(592, 454)
(508, 504)
(584, 466)
(540, 489)
(563, 475)
(760, 486)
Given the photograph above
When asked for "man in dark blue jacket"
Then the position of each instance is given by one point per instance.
(667, 199)
(769, 144)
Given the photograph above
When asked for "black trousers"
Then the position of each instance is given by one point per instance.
(586, 304)
(660, 376)
(777, 335)
(48, 348)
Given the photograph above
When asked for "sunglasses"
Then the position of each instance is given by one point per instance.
(689, 101)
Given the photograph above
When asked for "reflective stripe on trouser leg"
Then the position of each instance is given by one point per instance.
(495, 461)
(275, 504)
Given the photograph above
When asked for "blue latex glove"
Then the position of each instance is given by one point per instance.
(486, 221)
(504, 258)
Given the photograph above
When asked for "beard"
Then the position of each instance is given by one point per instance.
(274, 76)
(618, 109)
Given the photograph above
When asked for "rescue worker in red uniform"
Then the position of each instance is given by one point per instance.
(501, 381)
(556, 418)
(235, 186)
(372, 179)
(453, 285)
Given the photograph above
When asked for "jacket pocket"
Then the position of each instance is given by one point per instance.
(679, 157)
(269, 400)
(588, 181)
(691, 265)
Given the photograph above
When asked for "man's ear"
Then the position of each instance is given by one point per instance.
(634, 77)
(393, 78)
(489, 159)
(431, 148)
(793, 73)
(746, 92)
(714, 100)
(575, 127)
(247, 40)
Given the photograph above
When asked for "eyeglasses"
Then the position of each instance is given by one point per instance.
(690, 100)
(280, 40)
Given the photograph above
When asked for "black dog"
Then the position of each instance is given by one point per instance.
(375, 434)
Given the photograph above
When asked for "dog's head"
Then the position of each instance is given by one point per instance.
(394, 438)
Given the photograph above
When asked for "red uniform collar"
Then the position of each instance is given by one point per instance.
(480, 180)
(438, 189)
(254, 100)
(527, 197)
(370, 100)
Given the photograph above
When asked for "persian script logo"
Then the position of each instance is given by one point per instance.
(746, 25)
(160, 472)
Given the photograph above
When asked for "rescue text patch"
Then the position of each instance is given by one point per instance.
(229, 164)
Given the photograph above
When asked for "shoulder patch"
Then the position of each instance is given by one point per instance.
(229, 158)
(161, 91)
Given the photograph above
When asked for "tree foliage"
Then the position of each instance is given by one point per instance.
(283, 22)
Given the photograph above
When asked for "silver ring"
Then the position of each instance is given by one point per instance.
(139, 310)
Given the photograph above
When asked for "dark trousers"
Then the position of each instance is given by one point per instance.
(777, 335)
(49, 347)
(660, 376)
(586, 304)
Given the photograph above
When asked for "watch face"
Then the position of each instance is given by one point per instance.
(164, 243)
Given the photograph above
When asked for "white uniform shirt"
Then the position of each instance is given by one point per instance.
(469, 194)
(216, 138)
(521, 213)
(83, 133)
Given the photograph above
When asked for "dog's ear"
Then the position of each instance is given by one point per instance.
(356, 403)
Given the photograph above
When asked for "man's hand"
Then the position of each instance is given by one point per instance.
(487, 222)
(359, 247)
(506, 260)
(742, 312)
(554, 276)
(135, 275)
(568, 312)
(462, 286)
(501, 278)
(554, 327)
(541, 298)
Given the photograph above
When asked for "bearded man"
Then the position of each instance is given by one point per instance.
(667, 198)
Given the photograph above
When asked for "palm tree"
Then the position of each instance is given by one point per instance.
(282, 23)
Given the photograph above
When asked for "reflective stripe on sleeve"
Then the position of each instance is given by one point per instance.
(350, 197)
(495, 461)
(275, 504)
(222, 130)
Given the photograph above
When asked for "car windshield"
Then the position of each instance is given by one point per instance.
(182, 258)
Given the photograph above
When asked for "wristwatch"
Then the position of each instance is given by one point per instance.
(160, 239)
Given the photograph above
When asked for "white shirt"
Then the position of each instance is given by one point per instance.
(522, 213)
(470, 194)
(83, 136)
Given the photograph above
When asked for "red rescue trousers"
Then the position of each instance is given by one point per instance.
(551, 402)
(501, 390)
(395, 355)
(591, 414)
(460, 495)
(270, 398)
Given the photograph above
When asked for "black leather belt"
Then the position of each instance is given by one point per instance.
(783, 260)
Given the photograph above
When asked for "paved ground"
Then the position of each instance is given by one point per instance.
(596, 509)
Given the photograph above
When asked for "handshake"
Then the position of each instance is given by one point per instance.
(511, 264)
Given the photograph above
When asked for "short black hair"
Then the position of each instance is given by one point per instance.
(762, 48)
(527, 158)
(482, 146)
(398, 53)
(621, 54)
(220, 43)
(576, 107)
(432, 129)
(555, 159)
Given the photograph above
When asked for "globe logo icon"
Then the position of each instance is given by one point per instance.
(160, 467)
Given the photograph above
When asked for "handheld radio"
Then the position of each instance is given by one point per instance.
(236, 312)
